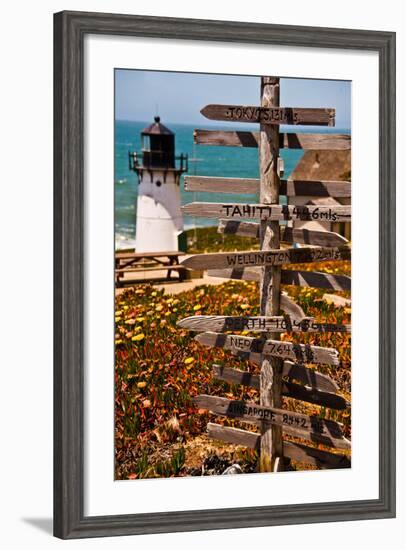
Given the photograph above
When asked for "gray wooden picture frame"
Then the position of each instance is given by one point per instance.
(70, 29)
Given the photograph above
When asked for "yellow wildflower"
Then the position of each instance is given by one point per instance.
(141, 384)
(138, 338)
(197, 307)
(189, 360)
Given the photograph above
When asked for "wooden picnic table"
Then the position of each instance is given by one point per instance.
(133, 262)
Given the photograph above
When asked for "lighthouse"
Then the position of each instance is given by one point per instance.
(159, 217)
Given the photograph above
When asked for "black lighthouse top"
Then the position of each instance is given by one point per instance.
(157, 151)
(158, 145)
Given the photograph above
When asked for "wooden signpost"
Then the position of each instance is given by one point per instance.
(319, 142)
(270, 115)
(287, 234)
(272, 212)
(267, 257)
(289, 389)
(287, 350)
(295, 371)
(290, 188)
(312, 279)
(221, 323)
(314, 428)
(283, 372)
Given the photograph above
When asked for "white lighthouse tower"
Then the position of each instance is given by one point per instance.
(159, 217)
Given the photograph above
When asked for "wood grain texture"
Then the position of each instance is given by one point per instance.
(287, 234)
(313, 188)
(312, 279)
(239, 274)
(292, 141)
(233, 435)
(208, 184)
(294, 451)
(316, 457)
(291, 308)
(240, 228)
(270, 114)
(300, 373)
(290, 422)
(315, 279)
(302, 353)
(271, 212)
(311, 236)
(269, 284)
(223, 323)
(289, 389)
(270, 257)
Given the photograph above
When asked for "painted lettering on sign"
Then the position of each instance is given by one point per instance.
(270, 115)
(262, 212)
(260, 114)
(336, 213)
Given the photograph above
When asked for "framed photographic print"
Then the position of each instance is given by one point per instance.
(224, 275)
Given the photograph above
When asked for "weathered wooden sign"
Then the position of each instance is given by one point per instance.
(287, 234)
(300, 373)
(274, 212)
(287, 419)
(274, 115)
(208, 184)
(222, 323)
(250, 186)
(240, 228)
(312, 279)
(313, 237)
(294, 451)
(319, 142)
(291, 308)
(289, 389)
(315, 279)
(266, 257)
(303, 353)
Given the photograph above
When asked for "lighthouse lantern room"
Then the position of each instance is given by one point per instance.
(159, 218)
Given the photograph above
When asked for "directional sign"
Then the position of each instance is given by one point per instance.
(275, 212)
(221, 323)
(274, 115)
(240, 228)
(328, 430)
(303, 353)
(315, 279)
(266, 258)
(289, 389)
(310, 236)
(291, 188)
(312, 279)
(305, 375)
(319, 142)
(287, 234)
(294, 451)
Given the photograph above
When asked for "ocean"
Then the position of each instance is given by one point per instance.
(203, 161)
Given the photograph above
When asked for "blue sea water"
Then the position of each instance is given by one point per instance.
(203, 161)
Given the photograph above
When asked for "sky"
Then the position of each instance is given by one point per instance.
(179, 97)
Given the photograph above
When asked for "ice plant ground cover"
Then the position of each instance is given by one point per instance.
(160, 367)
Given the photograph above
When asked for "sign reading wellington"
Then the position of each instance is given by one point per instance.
(274, 115)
